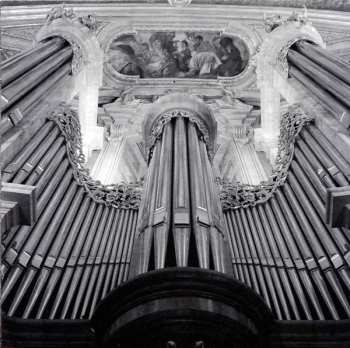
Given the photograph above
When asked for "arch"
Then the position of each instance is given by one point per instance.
(189, 106)
(87, 68)
(273, 51)
(86, 48)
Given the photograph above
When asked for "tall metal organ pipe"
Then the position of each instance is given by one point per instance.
(325, 76)
(30, 77)
(181, 222)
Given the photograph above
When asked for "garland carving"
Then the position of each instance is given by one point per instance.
(122, 195)
(235, 195)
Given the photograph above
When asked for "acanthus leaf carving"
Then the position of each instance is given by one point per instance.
(62, 12)
(237, 195)
(122, 195)
(276, 20)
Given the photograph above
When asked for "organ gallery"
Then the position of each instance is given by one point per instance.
(175, 174)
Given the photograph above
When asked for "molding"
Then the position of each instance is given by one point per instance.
(312, 4)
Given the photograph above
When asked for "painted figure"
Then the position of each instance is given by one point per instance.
(124, 61)
(204, 61)
(231, 60)
(161, 63)
(182, 56)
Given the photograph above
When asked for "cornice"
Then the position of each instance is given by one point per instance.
(35, 14)
(342, 5)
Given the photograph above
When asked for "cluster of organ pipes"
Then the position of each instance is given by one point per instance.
(79, 250)
(181, 222)
(284, 250)
(29, 77)
(325, 76)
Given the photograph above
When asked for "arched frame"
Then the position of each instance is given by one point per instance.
(87, 67)
(86, 48)
(273, 50)
(272, 73)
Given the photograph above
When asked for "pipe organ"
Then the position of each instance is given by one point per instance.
(178, 260)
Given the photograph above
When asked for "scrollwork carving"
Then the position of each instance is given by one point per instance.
(77, 61)
(89, 21)
(123, 195)
(282, 61)
(60, 12)
(236, 195)
(273, 22)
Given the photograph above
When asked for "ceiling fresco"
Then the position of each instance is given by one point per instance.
(204, 55)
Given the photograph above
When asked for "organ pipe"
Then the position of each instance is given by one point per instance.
(15, 67)
(48, 266)
(19, 87)
(332, 152)
(338, 110)
(189, 223)
(14, 115)
(324, 59)
(324, 78)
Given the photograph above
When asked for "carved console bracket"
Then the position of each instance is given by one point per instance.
(338, 207)
(272, 67)
(17, 205)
